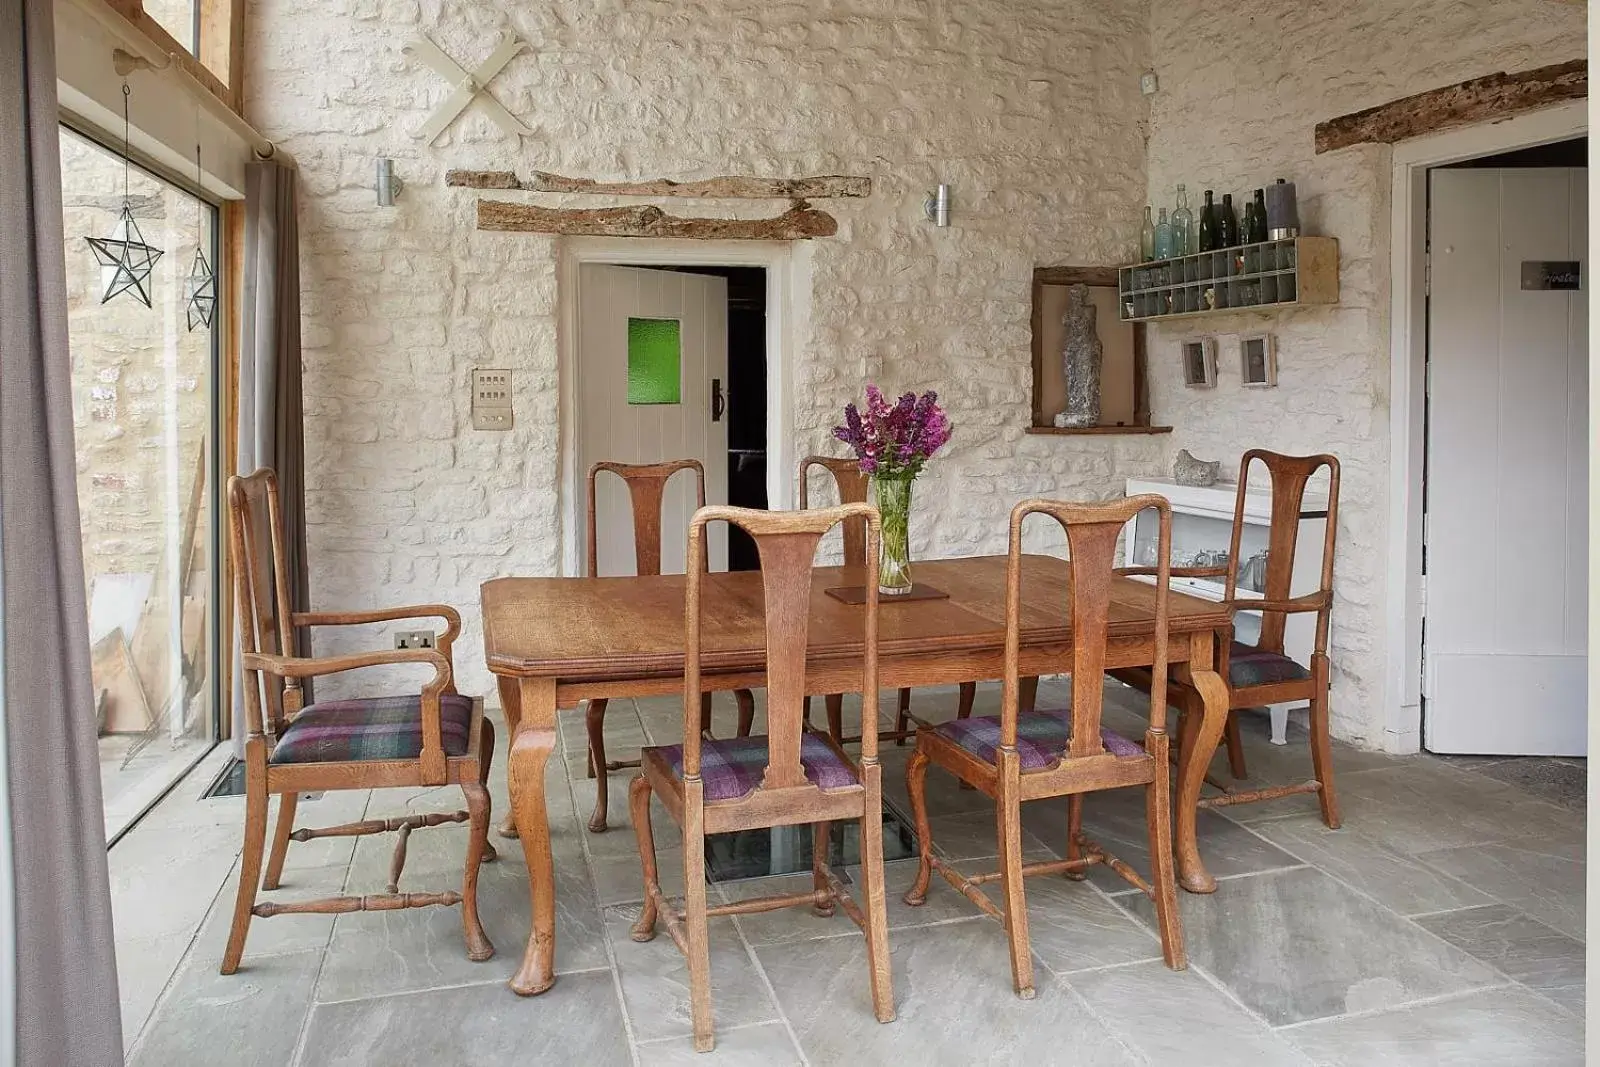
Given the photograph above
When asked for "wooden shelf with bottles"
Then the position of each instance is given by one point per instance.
(1266, 276)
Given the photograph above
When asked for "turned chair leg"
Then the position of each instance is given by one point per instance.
(280, 839)
(1075, 835)
(1322, 744)
(595, 719)
(255, 839)
(916, 783)
(747, 710)
(1008, 822)
(902, 714)
(644, 835)
(835, 702)
(1158, 824)
(479, 947)
(819, 867)
(1235, 740)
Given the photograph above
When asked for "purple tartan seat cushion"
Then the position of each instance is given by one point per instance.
(346, 731)
(1248, 666)
(732, 767)
(1041, 737)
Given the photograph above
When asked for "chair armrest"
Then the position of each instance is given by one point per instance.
(1177, 572)
(1310, 602)
(446, 641)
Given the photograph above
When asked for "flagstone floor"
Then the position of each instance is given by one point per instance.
(1443, 924)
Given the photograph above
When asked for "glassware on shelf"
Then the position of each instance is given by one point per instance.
(1182, 224)
(1163, 236)
(1147, 238)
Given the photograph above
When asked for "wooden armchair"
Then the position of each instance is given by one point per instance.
(1031, 755)
(791, 776)
(1264, 673)
(435, 737)
(647, 483)
(852, 488)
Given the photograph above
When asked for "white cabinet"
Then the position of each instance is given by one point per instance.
(1202, 526)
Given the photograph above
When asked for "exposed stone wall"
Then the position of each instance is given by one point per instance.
(1029, 109)
(1242, 87)
(140, 385)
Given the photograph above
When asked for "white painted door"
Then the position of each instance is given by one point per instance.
(648, 421)
(1505, 652)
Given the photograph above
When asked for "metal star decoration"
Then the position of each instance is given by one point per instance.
(200, 292)
(125, 260)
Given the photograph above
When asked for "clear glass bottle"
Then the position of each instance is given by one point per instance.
(1182, 225)
(1147, 238)
(1163, 236)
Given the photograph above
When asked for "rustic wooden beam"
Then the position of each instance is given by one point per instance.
(799, 223)
(133, 14)
(1495, 96)
(1075, 275)
(816, 187)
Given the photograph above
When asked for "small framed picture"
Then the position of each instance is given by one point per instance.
(1258, 361)
(1200, 362)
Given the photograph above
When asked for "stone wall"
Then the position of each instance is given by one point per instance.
(1029, 109)
(1241, 89)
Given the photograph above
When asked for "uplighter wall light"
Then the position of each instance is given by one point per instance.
(389, 184)
(937, 206)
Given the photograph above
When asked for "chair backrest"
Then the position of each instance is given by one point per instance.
(261, 590)
(1289, 476)
(646, 482)
(852, 488)
(1092, 531)
(787, 541)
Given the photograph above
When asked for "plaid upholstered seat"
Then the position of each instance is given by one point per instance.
(1041, 737)
(731, 768)
(342, 731)
(1248, 665)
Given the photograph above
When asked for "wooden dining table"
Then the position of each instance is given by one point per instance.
(553, 642)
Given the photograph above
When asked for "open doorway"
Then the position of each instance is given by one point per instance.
(1505, 474)
(670, 362)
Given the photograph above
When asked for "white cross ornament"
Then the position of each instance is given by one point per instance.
(468, 87)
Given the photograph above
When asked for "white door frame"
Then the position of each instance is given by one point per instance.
(1408, 347)
(778, 259)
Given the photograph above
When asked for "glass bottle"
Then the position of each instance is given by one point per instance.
(1147, 239)
(1260, 232)
(1207, 241)
(1228, 225)
(1163, 236)
(1182, 225)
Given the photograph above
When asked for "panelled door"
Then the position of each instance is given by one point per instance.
(1506, 645)
(651, 385)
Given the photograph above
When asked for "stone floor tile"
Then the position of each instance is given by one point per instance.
(761, 1045)
(1072, 926)
(655, 979)
(1155, 1010)
(255, 1014)
(1492, 1028)
(1519, 947)
(953, 1000)
(1297, 945)
(1548, 887)
(577, 1021)
(144, 967)
(281, 933)
(1556, 781)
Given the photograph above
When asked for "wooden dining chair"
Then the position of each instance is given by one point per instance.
(851, 486)
(429, 738)
(1018, 756)
(790, 776)
(1264, 673)
(647, 484)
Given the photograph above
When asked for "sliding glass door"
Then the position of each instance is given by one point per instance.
(145, 418)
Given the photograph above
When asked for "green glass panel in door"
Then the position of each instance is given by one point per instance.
(655, 361)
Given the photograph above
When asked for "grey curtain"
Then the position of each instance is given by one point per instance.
(65, 976)
(271, 408)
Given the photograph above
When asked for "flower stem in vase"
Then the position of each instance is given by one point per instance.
(893, 495)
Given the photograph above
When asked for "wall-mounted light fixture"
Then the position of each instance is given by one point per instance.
(937, 206)
(389, 184)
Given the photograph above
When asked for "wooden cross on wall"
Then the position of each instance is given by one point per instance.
(468, 87)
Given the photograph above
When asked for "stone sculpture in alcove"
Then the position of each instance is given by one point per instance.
(1081, 354)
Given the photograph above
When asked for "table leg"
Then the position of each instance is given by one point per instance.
(1196, 759)
(1027, 693)
(511, 705)
(530, 752)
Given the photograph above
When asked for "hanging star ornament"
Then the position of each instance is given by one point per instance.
(200, 292)
(125, 260)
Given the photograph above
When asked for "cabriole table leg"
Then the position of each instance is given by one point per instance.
(530, 751)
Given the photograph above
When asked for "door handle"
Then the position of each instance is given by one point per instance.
(719, 403)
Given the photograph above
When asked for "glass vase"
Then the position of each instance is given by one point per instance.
(892, 493)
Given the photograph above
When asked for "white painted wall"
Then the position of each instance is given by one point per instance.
(1242, 88)
(1030, 109)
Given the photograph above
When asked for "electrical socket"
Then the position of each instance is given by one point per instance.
(491, 399)
(413, 639)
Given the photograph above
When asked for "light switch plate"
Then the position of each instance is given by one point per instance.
(491, 399)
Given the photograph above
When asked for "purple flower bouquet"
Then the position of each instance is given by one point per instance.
(893, 442)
